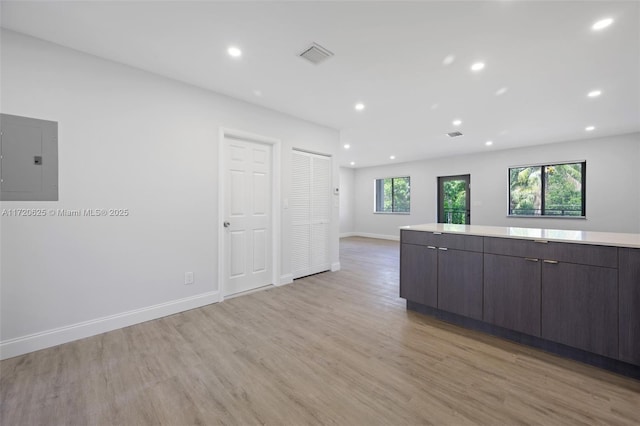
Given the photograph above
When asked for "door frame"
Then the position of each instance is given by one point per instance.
(439, 206)
(276, 147)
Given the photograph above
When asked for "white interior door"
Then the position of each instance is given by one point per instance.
(310, 207)
(247, 216)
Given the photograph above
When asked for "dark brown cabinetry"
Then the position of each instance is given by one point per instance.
(584, 296)
(460, 274)
(460, 282)
(629, 313)
(580, 306)
(512, 293)
(443, 271)
(419, 274)
(579, 301)
(563, 292)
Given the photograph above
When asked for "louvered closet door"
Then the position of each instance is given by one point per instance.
(310, 207)
(300, 208)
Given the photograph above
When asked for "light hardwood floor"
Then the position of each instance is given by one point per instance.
(334, 348)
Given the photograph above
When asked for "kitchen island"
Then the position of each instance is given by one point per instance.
(574, 293)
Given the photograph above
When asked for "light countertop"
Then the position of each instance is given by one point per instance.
(567, 236)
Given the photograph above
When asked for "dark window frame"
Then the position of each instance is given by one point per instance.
(441, 210)
(543, 187)
(379, 195)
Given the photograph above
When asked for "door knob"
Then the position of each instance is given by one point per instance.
(226, 224)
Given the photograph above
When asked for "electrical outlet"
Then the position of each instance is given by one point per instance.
(188, 278)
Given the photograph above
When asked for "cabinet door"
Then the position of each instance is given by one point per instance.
(580, 307)
(629, 305)
(512, 293)
(419, 274)
(460, 282)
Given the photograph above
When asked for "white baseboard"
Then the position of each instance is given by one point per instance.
(286, 279)
(378, 236)
(348, 234)
(244, 293)
(57, 336)
(335, 266)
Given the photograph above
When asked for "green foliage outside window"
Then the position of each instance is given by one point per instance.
(553, 190)
(454, 201)
(455, 195)
(393, 195)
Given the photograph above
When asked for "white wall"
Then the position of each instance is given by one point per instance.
(134, 140)
(612, 187)
(347, 199)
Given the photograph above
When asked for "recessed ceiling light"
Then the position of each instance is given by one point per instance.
(393, 157)
(347, 146)
(448, 60)
(501, 91)
(488, 143)
(477, 66)
(434, 106)
(456, 122)
(602, 24)
(257, 92)
(353, 163)
(359, 106)
(234, 52)
(590, 128)
(594, 93)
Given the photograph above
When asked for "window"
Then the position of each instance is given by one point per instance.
(393, 195)
(547, 190)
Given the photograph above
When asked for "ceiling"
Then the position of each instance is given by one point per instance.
(389, 56)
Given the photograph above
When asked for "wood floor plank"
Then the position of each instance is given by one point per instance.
(334, 348)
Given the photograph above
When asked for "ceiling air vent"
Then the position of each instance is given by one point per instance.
(316, 54)
(454, 134)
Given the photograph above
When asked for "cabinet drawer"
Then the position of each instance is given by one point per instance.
(584, 254)
(461, 242)
(514, 247)
(419, 237)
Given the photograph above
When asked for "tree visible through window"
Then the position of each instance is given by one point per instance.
(453, 199)
(393, 195)
(552, 190)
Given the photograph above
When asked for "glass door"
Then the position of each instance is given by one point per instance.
(454, 199)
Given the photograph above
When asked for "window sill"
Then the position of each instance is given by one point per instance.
(536, 216)
(400, 213)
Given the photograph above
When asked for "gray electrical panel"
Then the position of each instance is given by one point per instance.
(28, 159)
